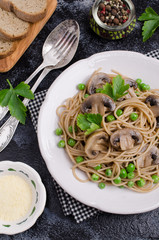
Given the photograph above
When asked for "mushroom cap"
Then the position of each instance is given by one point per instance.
(125, 138)
(98, 103)
(95, 144)
(150, 158)
(97, 80)
(131, 82)
(152, 100)
(153, 103)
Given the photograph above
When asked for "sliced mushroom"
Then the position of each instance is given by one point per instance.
(131, 82)
(157, 119)
(95, 144)
(98, 103)
(153, 103)
(97, 80)
(150, 158)
(125, 138)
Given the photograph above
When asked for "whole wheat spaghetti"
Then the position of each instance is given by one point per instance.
(107, 153)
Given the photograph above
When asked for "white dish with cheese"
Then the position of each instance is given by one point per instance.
(22, 197)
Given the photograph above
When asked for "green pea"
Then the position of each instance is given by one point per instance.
(110, 118)
(71, 142)
(79, 159)
(131, 175)
(58, 131)
(134, 116)
(123, 173)
(141, 182)
(81, 86)
(108, 172)
(137, 93)
(144, 87)
(155, 178)
(98, 167)
(95, 177)
(101, 185)
(86, 95)
(147, 87)
(98, 90)
(119, 112)
(130, 184)
(61, 144)
(117, 180)
(139, 81)
(122, 186)
(130, 167)
(70, 129)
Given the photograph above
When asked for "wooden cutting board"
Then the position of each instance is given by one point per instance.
(7, 63)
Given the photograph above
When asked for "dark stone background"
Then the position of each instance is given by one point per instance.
(52, 224)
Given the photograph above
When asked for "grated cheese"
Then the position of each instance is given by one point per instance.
(15, 197)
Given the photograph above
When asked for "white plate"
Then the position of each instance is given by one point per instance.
(111, 199)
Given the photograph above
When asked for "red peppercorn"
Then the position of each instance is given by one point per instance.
(124, 20)
(103, 11)
(124, 5)
(128, 10)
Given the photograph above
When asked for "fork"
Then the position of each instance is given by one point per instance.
(51, 58)
(9, 127)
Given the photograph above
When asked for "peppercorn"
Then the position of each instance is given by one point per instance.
(114, 12)
(116, 21)
(101, 6)
(102, 18)
(108, 8)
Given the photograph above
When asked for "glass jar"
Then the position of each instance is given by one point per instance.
(112, 32)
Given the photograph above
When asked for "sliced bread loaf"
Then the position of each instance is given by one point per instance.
(11, 27)
(27, 10)
(6, 48)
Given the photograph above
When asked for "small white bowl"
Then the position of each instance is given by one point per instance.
(38, 196)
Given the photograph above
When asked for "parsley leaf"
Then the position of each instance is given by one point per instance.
(94, 118)
(108, 90)
(151, 23)
(92, 128)
(9, 97)
(89, 122)
(117, 89)
(82, 122)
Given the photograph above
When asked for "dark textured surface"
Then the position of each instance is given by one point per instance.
(52, 224)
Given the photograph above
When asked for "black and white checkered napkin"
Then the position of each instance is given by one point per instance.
(70, 205)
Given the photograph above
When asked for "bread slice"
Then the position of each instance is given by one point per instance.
(27, 10)
(11, 27)
(6, 48)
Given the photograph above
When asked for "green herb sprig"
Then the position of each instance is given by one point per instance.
(89, 122)
(151, 23)
(9, 97)
(117, 89)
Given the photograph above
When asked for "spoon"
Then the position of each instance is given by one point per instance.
(55, 44)
(61, 59)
